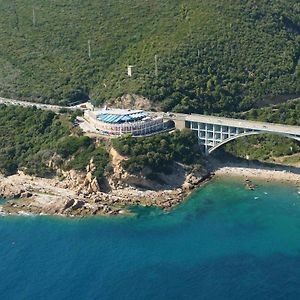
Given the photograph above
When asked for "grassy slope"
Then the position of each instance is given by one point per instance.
(212, 53)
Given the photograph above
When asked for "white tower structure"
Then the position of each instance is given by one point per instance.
(129, 70)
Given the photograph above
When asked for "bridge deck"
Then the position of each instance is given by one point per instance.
(254, 125)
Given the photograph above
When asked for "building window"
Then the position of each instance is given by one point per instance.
(210, 127)
(194, 125)
(218, 136)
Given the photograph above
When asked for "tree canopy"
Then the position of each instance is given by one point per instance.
(212, 55)
(158, 152)
(30, 138)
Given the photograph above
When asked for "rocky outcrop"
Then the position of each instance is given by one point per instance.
(191, 182)
(82, 182)
(76, 193)
(125, 179)
(122, 179)
(10, 190)
(94, 185)
(131, 100)
(53, 197)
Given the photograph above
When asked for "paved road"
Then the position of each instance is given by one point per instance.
(54, 108)
(86, 126)
(262, 126)
(238, 123)
(255, 125)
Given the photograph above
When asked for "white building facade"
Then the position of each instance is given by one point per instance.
(116, 122)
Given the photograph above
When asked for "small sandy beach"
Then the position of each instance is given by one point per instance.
(268, 175)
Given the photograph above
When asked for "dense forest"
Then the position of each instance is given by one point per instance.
(158, 152)
(30, 138)
(284, 113)
(212, 55)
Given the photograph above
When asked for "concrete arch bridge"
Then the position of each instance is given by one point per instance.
(213, 132)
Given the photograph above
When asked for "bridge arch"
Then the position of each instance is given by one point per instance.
(210, 150)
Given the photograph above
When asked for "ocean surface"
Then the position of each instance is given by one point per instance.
(224, 242)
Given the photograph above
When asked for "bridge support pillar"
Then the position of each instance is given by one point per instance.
(213, 132)
(179, 124)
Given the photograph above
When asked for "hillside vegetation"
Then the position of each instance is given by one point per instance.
(267, 147)
(285, 113)
(30, 138)
(159, 152)
(213, 55)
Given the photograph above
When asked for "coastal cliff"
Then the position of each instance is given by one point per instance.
(74, 193)
(58, 170)
(78, 194)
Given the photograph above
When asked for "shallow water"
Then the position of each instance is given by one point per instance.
(225, 242)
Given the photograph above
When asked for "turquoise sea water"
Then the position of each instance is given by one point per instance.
(223, 243)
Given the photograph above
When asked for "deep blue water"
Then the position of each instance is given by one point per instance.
(223, 243)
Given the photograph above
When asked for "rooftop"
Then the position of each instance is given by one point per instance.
(120, 115)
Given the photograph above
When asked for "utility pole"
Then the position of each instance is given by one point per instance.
(89, 46)
(156, 66)
(33, 16)
(16, 14)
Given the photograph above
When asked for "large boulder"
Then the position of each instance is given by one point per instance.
(187, 186)
(95, 186)
(26, 194)
(89, 177)
(9, 190)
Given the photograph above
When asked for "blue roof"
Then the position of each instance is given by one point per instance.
(116, 118)
(110, 118)
(126, 118)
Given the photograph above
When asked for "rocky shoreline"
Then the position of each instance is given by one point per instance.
(79, 194)
(27, 195)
